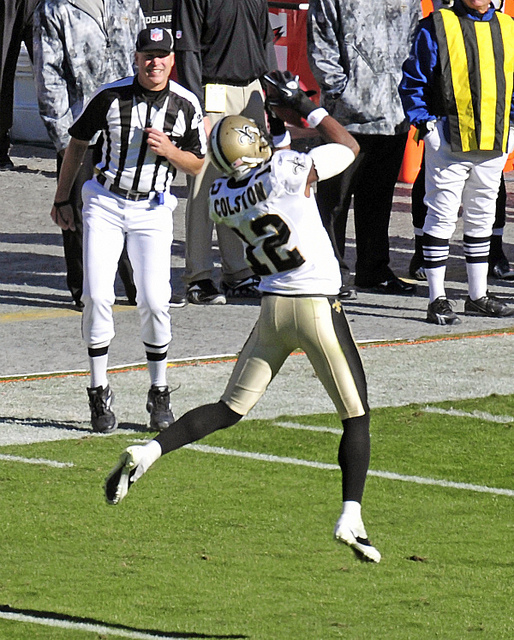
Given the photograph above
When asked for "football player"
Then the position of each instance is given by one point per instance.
(265, 196)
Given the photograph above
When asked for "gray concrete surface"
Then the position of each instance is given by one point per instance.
(40, 331)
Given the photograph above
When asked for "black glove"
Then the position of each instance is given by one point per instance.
(284, 90)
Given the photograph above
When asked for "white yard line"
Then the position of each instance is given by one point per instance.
(481, 415)
(332, 467)
(83, 626)
(48, 463)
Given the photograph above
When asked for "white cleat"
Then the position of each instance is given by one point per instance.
(359, 544)
(125, 473)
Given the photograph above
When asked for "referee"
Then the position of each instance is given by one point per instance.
(221, 49)
(151, 127)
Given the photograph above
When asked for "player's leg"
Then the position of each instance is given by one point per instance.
(192, 426)
(445, 177)
(382, 158)
(328, 342)
(479, 210)
(149, 239)
(499, 266)
(103, 243)
(258, 362)
(419, 212)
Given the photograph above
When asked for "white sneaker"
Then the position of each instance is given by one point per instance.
(130, 468)
(355, 536)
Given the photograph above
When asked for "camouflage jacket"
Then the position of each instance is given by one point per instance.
(356, 50)
(75, 52)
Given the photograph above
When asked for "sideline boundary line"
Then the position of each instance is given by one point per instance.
(232, 357)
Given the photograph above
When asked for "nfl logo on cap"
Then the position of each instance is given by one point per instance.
(156, 35)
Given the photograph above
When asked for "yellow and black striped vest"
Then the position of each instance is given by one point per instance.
(477, 67)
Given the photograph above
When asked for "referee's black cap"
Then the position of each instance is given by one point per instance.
(154, 39)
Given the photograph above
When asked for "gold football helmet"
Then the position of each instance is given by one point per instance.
(237, 145)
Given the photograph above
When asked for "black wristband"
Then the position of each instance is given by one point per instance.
(63, 203)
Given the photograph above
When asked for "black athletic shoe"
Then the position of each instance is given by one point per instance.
(416, 268)
(346, 293)
(103, 419)
(158, 406)
(488, 306)
(393, 286)
(501, 270)
(177, 301)
(204, 292)
(242, 289)
(6, 164)
(440, 312)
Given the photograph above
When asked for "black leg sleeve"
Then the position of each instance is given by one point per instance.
(197, 424)
(354, 455)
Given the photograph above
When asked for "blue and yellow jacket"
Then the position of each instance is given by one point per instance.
(462, 72)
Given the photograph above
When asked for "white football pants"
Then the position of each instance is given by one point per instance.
(149, 231)
(451, 179)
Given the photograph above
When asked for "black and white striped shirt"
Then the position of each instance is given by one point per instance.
(122, 110)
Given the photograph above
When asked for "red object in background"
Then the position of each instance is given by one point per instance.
(289, 22)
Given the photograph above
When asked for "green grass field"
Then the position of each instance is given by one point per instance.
(217, 546)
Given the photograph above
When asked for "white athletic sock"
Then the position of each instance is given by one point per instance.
(157, 371)
(435, 278)
(98, 368)
(477, 279)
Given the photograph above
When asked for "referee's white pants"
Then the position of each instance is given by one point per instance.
(149, 231)
(451, 179)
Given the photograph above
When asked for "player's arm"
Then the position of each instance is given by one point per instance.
(62, 212)
(337, 155)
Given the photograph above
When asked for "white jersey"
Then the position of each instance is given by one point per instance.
(286, 243)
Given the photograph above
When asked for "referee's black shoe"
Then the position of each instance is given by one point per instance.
(488, 306)
(103, 419)
(158, 406)
(440, 312)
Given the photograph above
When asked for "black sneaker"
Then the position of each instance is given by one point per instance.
(158, 406)
(416, 268)
(177, 301)
(392, 286)
(501, 270)
(204, 292)
(488, 306)
(6, 164)
(346, 293)
(246, 288)
(103, 419)
(440, 312)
